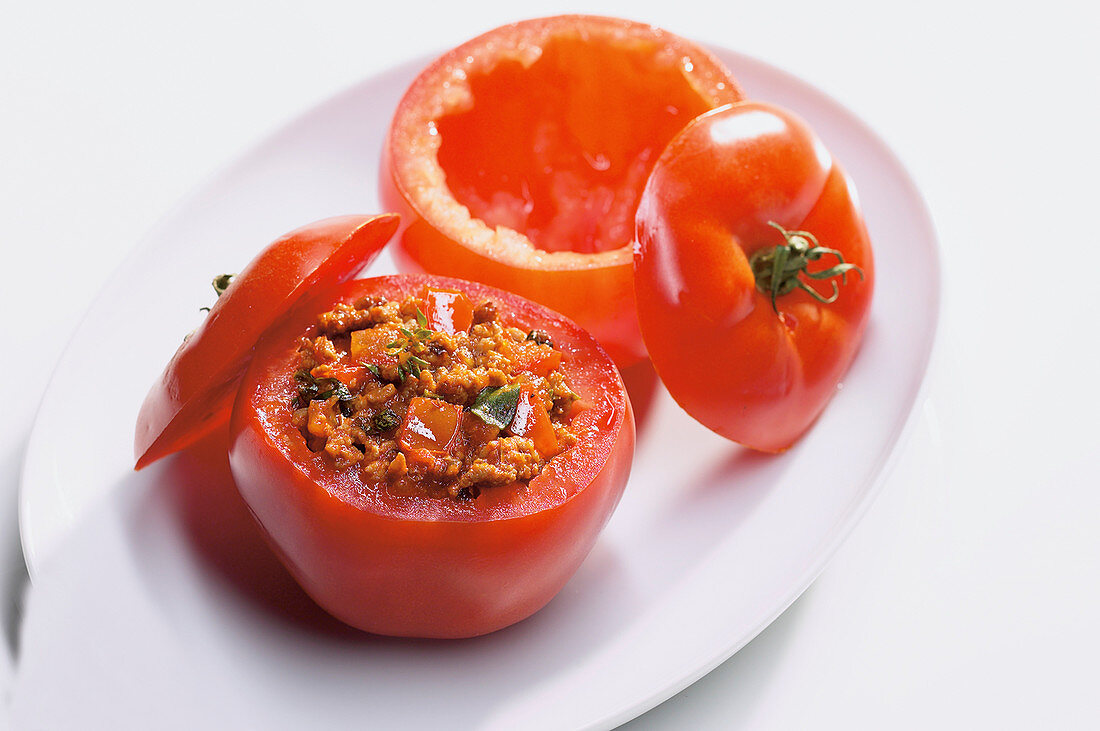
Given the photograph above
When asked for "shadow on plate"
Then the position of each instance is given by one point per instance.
(13, 570)
(199, 488)
(740, 682)
(207, 565)
(641, 384)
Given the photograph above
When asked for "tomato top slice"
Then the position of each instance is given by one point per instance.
(754, 363)
(196, 389)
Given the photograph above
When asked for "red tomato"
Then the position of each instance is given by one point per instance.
(753, 363)
(517, 159)
(195, 392)
(412, 566)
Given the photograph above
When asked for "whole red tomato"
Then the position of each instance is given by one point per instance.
(517, 159)
(753, 273)
(196, 389)
(418, 566)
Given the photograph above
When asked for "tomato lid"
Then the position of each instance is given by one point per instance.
(195, 392)
(753, 273)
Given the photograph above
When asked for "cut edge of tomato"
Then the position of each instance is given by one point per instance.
(443, 89)
(574, 468)
(173, 416)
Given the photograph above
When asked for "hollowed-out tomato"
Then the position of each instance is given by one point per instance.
(518, 158)
(411, 565)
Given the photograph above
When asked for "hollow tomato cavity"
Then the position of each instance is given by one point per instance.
(560, 150)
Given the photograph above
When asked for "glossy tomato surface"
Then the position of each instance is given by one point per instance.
(753, 372)
(517, 159)
(417, 566)
(196, 389)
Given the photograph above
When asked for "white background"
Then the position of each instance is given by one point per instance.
(970, 594)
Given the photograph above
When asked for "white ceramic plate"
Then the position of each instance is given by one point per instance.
(709, 545)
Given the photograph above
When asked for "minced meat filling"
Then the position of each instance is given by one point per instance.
(432, 395)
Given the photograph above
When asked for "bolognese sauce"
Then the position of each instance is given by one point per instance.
(432, 395)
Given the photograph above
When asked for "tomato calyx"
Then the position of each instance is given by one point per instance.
(778, 270)
(220, 283)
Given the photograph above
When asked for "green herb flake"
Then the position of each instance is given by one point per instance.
(374, 369)
(385, 420)
(335, 388)
(496, 405)
(307, 391)
(569, 394)
(421, 318)
(310, 389)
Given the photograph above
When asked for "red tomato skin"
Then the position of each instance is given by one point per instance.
(429, 568)
(744, 371)
(596, 292)
(195, 392)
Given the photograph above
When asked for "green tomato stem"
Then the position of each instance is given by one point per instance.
(779, 269)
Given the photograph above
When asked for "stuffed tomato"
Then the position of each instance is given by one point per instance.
(517, 159)
(430, 457)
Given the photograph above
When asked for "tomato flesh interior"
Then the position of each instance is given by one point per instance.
(560, 150)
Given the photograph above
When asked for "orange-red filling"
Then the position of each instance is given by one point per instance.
(405, 394)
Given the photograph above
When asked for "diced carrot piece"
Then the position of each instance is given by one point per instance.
(532, 421)
(430, 426)
(448, 310)
(350, 374)
(369, 346)
(532, 357)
